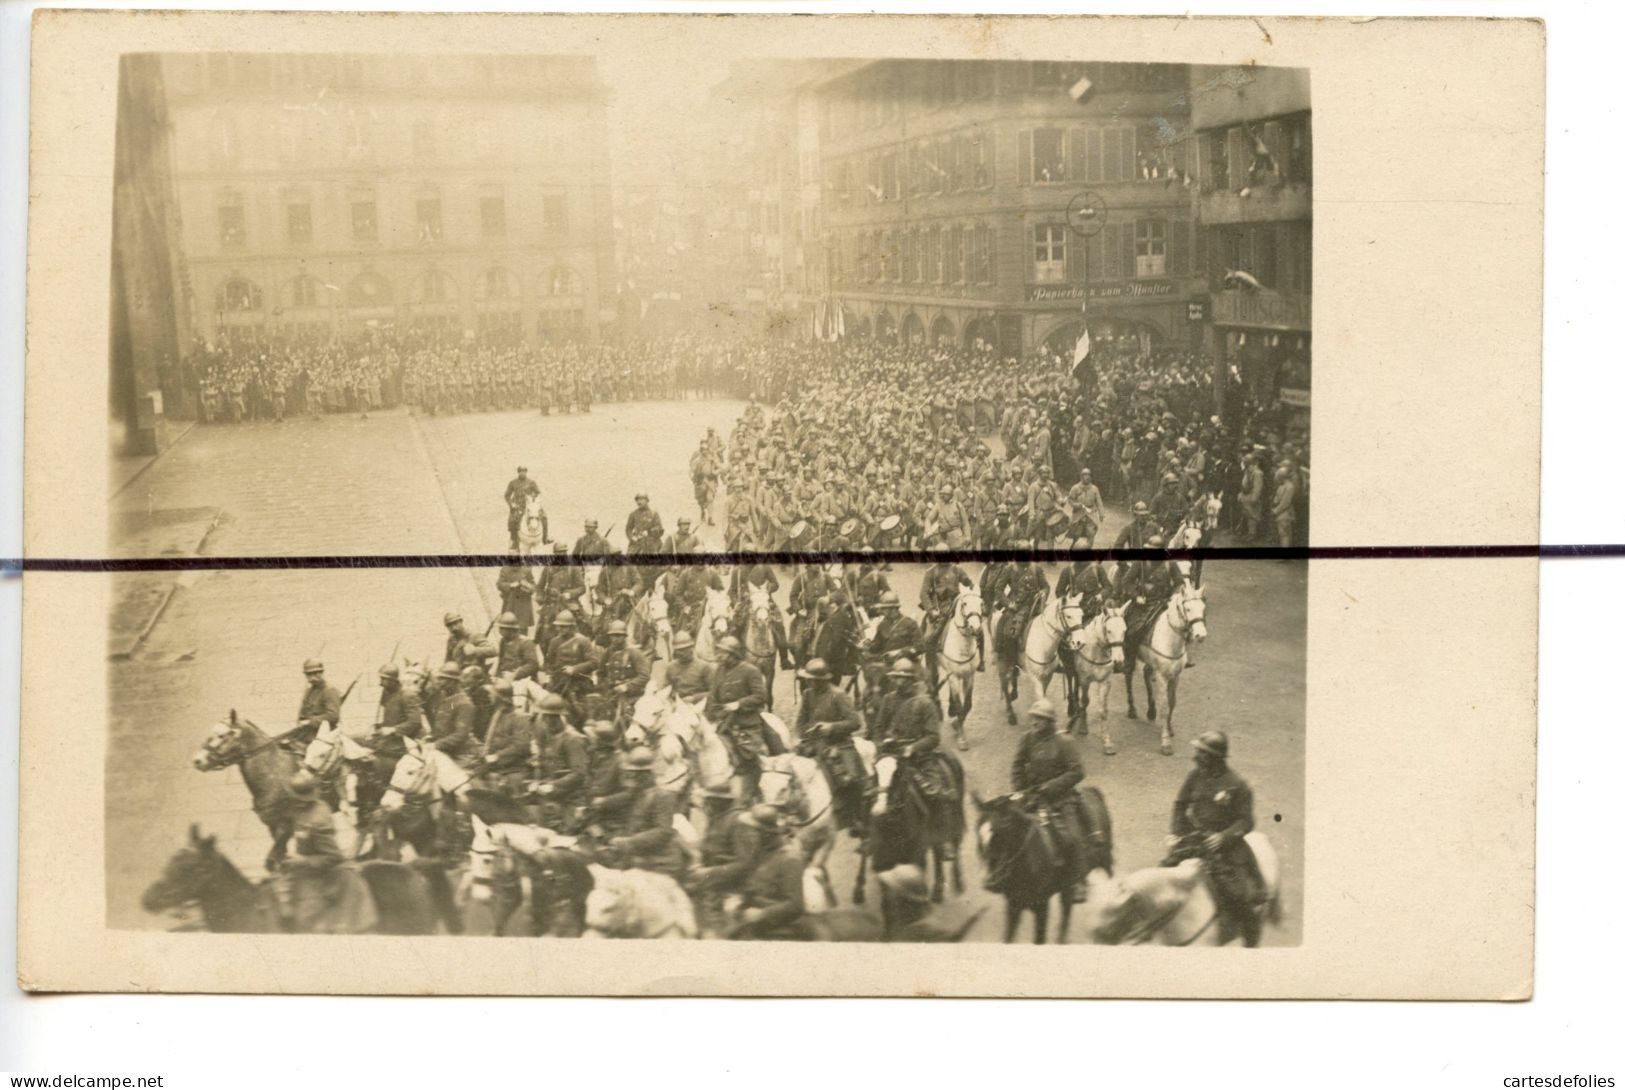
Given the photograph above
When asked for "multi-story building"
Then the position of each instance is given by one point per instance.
(335, 192)
(1256, 178)
(946, 186)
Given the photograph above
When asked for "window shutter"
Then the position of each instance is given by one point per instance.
(1130, 163)
(1113, 159)
(1128, 250)
(1026, 156)
(1179, 233)
(1078, 166)
(1112, 252)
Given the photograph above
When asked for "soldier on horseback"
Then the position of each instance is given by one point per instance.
(1212, 815)
(1145, 587)
(571, 661)
(1045, 778)
(1019, 594)
(517, 659)
(643, 527)
(640, 818)
(811, 586)
(462, 647)
(735, 705)
(1090, 582)
(506, 746)
(938, 591)
(517, 495)
(400, 714)
(1137, 534)
(826, 722)
(909, 727)
(319, 706)
(729, 853)
(451, 713)
(773, 898)
(308, 881)
(560, 765)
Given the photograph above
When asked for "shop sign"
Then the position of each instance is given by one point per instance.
(1263, 309)
(1109, 289)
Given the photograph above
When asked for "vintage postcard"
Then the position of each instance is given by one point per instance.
(770, 481)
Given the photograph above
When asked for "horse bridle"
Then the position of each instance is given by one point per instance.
(959, 622)
(237, 733)
(797, 793)
(1109, 641)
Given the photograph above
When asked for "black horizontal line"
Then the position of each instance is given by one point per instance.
(111, 565)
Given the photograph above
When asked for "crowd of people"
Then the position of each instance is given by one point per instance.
(274, 376)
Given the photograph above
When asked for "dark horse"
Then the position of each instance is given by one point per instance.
(1023, 863)
(835, 640)
(266, 767)
(908, 827)
(410, 898)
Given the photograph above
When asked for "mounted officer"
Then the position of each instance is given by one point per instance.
(688, 677)
(505, 750)
(826, 721)
(1145, 587)
(938, 591)
(571, 662)
(729, 853)
(319, 706)
(590, 543)
(560, 764)
(517, 659)
(623, 672)
(1137, 534)
(462, 647)
(1045, 779)
(735, 705)
(761, 577)
(1212, 815)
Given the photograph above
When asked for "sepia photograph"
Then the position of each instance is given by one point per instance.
(382, 304)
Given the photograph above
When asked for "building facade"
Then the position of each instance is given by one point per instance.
(331, 192)
(1256, 183)
(945, 188)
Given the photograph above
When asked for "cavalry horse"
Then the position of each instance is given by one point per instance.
(908, 827)
(1161, 656)
(378, 898)
(1100, 654)
(1052, 640)
(669, 734)
(836, 638)
(1022, 861)
(532, 526)
(267, 769)
(960, 656)
(649, 623)
(754, 627)
(715, 619)
(1174, 906)
(414, 805)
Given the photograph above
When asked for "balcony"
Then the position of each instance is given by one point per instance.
(1263, 203)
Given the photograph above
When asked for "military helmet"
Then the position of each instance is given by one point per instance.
(313, 666)
(638, 759)
(815, 670)
(729, 645)
(504, 688)
(616, 628)
(889, 600)
(682, 639)
(564, 619)
(1214, 742)
(592, 524)
(560, 548)
(472, 673)
(389, 669)
(1140, 508)
(1042, 708)
(723, 789)
(507, 620)
(903, 668)
(449, 671)
(552, 704)
(452, 617)
(603, 730)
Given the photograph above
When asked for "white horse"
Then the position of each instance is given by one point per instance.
(591, 600)
(650, 621)
(531, 525)
(715, 619)
(1173, 906)
(761, 646)
(798, 787)
(1098, 657)
(638, 904)
(670, 733)
(960, 656)
(1057, 630)
(1161, 656)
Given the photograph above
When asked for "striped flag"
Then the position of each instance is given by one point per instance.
(1080, 351)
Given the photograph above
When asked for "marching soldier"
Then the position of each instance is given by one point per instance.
(1213, 813)
(517, 587)
(1137, 534)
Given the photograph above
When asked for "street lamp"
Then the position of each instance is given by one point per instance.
(1086, 218)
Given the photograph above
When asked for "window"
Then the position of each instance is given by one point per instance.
(555, 215)
(563, 281)
(233, 229)
(931, 255)
(1049, 160)
(364, 219)
(303, 292)
(1294, 149)
(493, 217)
(238, 294)
(435, 287)
(498, 284)
(916, 256)
(1150, 248)
(956, 255)
(1215, 162)
(1049, 253)
(299, 229)
(429, 228)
